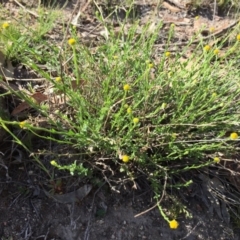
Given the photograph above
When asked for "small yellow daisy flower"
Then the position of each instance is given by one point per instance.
(234, 136)
(71, 41)
(22, 124)
(5, 25)
(216, 51)
(115, 57)
(214, 95)
(167, 54)
(197, 17)
(54, 163)
(150, 65)
(173, 224)
(136, 120)
(211, 29)
(163, 105)
(174, 136)
(172, 25)
(58, 79)
(129, 110)
(238, 37)
(170, 74)
(207, 48)
(216, 160)
(126, 87)
(125, 158)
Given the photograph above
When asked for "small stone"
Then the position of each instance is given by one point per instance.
(101, 221)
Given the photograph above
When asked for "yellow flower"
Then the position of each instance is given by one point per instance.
(211, 29)
(170, 74)
(238, 37)
(54, 163)
(115, 57)
(216, 51)
(125, 158)
(207, 48)
(172, 25)
(174, 135)
(71, 41)
(129, 110)
(173, 224)
(136, 120)
(234, 136)
(197, 17)
(58, 79)
(167, 54)
(126, 87)
(22, 124)
(150, 65)
(5, 25)
(214, 95)
(163, 105)
(216, 160)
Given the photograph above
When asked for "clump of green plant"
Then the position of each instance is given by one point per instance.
(129, 113)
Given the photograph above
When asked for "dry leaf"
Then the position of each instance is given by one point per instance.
(38, 97)
(171, 7)
(71, 197)
(181, 3)
(78, 85)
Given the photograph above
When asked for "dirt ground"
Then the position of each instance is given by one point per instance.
(101, 215)
(26, 212)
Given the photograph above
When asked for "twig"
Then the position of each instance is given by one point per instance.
(25, 9)
(69, 23)
(26, 79)
(191, 231)
(81, 10)
(158, 202)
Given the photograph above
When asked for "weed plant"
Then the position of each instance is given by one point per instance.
(127, 112)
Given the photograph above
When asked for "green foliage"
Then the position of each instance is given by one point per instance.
(185, 114)
(186, 109)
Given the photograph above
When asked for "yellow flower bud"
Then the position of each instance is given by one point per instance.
(71, 41)
(234, 136)
(5, 25)
(173, 224)
(126, 87)
(136, 120)
(216, 160)
(125, 158)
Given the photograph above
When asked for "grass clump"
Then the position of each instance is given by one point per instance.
(128, 113)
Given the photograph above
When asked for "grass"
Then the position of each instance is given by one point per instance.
(126, 113)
